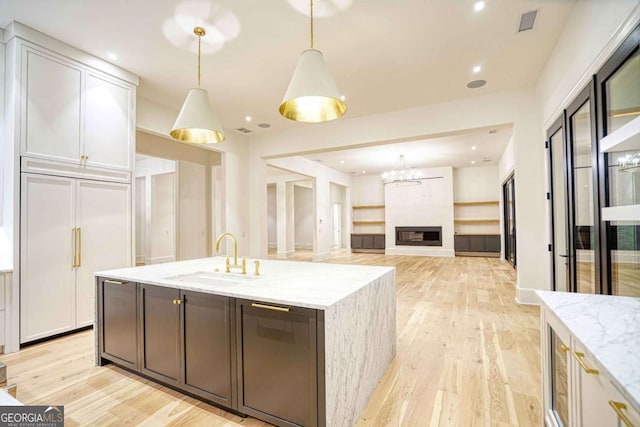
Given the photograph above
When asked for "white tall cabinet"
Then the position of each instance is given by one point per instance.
(71, 126)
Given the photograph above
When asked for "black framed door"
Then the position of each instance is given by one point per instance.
(509, 219)
(618, 86)
(558, 198)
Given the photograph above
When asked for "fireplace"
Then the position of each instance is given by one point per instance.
(418, 236)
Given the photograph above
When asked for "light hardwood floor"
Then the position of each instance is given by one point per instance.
(467, 355)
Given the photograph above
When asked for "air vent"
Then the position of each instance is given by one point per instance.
(244, 130)
(527, 20)
(486, 160)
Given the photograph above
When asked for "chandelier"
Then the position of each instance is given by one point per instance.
(629, 163)
(401, 174)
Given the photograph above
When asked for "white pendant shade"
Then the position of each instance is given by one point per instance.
(197, 123)
(312, 95)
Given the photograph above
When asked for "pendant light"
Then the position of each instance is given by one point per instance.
(196, 122)
(312, 95)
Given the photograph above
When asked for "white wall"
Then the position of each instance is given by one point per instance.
(272, 211)
(367, 190)
(5, 243)
(428, 204)
(475, 184)
(506, 162)
(303, 217)
(232, 186)
(593, 31)
(193, 211)
(338, 196)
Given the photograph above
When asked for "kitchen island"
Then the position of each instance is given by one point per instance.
(298, 344)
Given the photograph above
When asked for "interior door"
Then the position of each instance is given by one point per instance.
(559, 213)
(103, 221)
(584, 241)
(47, 272)
(337, 225)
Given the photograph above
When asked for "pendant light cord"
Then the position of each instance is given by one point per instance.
(199, 42)
(311, 14)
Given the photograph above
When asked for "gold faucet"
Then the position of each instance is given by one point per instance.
(235, 250)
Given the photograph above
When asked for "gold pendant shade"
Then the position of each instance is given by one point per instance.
(312, 95)
(197, 122)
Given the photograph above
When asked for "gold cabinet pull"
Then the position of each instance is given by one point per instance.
(257, 270)
(564, 348)
(619, 407)
(113, 282)
(270, 307)
(177, 301)
(588, 370)
(75, 245)
(79, 247)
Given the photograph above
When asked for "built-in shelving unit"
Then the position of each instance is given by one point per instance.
(625, 138)
(368, 229)
(477, 228)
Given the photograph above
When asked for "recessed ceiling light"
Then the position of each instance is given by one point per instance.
(363, 172)
(473, 162)
(248, 118)
(343, 98)
(473, 148)
(112, 56)
(476, 84)
(477, 69)
(264, 125)
(342, 162)
(478, 6)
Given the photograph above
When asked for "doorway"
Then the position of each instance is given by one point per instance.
(337, 225)
(509, 215)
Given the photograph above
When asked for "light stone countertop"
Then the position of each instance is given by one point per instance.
(609, 328)
(7, 400)
(301, 284)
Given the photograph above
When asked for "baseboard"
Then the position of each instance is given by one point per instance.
(272, 245)
(480, 254)
(526, 296)
(305, 246)
(420, 252)
(282, 255)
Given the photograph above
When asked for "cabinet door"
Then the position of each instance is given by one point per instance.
(103, 218)
(356, 241)
(160, 316)
(461, 243)
(118, 332)
(378, 241)
(277, 368)
(50, 107)
(47, 273)
(559, 370)
(476, 243)
(207, 346)
(367, 241)
(492, 243)
(108, 122)
(592, 408)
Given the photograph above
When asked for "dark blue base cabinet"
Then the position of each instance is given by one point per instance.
(250, 357)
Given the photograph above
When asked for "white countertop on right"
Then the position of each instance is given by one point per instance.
(609, 327)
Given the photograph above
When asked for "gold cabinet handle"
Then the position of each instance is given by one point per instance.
(588, 370)
(113, 282)
(257, 270)
(79, 247)
(75, 246)
(177, 301)
(619, 407)
(564, 348)
(270, 307)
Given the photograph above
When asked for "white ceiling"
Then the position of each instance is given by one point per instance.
(385, 55)
(455, 150)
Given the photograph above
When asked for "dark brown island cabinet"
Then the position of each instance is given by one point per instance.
(251, 357)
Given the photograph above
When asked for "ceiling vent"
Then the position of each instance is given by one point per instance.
(527, 20)
(244, 130)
